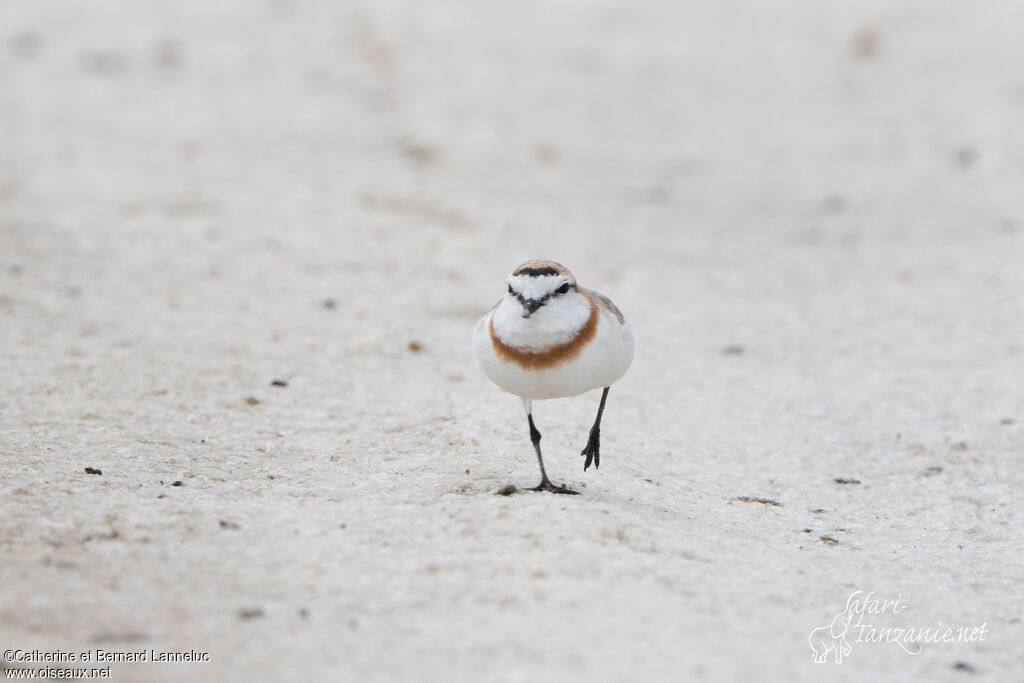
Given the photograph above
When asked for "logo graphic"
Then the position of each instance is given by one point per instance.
(831, 639)
(855, 624)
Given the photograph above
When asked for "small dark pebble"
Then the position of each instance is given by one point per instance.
(843, 480)
(252, 400)
(93, 470)
(733, 350)
(279, 383)
(965, 157)
(304, 613)
(225, 524)
(26, 45)
(167, 54)
(866, 43)
(828, 540)
(807, 531)
(964, 666)
(833, 205)
(250, 613)
(657, 195)
(506, 490)
(329, 304)
(177, 483)
(415, 346)
(1006, 421)
(763, 501)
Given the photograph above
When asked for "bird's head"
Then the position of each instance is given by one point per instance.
(536, 284)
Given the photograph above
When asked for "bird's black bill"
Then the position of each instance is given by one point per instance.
(530, 306)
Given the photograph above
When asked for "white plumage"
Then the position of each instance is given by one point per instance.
(550, 338)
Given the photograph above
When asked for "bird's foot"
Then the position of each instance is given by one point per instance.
(546, 485)
(592, 451)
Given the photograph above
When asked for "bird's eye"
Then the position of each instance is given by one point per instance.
(563, 289)
(510, 290)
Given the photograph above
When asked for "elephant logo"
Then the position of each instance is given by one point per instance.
(831, 639)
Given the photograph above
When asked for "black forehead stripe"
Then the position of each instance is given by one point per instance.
(536, 272)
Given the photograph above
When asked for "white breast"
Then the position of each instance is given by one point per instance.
(555, 323)
(599, 363)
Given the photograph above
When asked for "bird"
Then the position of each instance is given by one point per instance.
(548, 337)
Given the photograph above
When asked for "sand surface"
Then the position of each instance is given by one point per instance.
(812, 213)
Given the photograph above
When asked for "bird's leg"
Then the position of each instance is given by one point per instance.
(535, 439)
(593, 447)
(545, 483)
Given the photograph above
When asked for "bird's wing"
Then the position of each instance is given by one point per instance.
(606, 305)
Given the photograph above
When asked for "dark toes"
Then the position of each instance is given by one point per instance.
(593, 454)
(551, 488)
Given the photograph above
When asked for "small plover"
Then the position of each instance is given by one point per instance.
(550, 338)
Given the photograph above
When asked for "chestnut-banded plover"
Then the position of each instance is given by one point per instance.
(550, 338)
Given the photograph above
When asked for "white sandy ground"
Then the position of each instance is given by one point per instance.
(836, 190)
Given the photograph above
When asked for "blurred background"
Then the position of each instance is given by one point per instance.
(811, 212)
